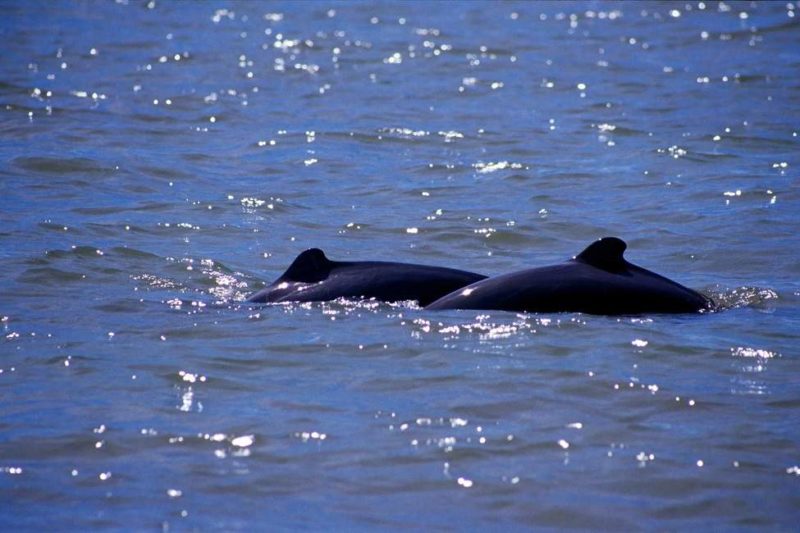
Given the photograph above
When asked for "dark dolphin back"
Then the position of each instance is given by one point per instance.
(661, 294)
(314, 277)
(598, 280)
(310, 266)
(605, 254)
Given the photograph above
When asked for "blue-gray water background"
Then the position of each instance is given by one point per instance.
(161, 160)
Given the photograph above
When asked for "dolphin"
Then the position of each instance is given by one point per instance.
(312, 277)
(597, 281)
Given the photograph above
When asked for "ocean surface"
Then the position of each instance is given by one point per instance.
(159, 161)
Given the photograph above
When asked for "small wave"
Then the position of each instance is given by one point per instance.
(342, 306)
(55, 165)
(405, 133)
(486, 168)
(741, 297)
(156, 282)
(75, 251)
(132, 253)
(50, 276)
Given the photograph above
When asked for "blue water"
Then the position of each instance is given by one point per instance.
(159, 161)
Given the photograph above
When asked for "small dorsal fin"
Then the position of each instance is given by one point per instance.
(605, 253)
(310, 266)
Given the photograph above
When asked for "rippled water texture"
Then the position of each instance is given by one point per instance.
(159, 161)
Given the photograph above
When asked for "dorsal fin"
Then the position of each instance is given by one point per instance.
(310, 266)
(605, 253)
